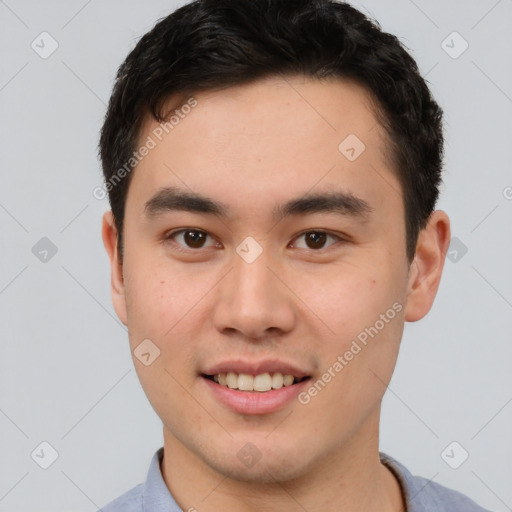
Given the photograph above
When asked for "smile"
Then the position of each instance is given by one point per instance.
(261, 383)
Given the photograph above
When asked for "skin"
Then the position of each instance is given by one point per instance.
(252, 147)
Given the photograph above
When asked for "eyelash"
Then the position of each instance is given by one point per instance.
(180, 248)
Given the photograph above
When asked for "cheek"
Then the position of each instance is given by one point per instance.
(164, 305)
(363, 311)
(160, 307)
(346, 299)
(159, 296)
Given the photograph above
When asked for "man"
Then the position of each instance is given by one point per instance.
(273, 169)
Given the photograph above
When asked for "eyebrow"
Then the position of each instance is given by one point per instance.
(170, 199)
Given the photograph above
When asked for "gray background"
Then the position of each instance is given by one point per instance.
(66, 375)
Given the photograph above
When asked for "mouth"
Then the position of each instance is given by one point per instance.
(254, 387)
(260, 383)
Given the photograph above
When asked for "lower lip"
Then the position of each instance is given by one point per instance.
(255, 402)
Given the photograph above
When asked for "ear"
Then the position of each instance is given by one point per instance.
(426, 269)
(109, 235)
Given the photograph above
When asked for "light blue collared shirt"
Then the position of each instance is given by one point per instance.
(421, 495)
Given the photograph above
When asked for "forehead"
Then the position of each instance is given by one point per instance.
(273, 138)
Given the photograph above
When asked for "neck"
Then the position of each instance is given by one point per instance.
(349, 478)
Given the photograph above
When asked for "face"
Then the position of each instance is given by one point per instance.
(255, 244)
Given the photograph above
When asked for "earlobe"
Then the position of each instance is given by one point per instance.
(427, 267)
(117, 289)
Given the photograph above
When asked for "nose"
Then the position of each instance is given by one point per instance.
(253, 301)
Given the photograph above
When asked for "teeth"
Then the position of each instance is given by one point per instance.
(262, 382)
(232, 380)
(287, 380)
(245, 382)
(277, 380)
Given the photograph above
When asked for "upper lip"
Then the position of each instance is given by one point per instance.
(256, 368)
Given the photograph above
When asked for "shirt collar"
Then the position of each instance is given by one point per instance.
(155, 495)
(412, 488)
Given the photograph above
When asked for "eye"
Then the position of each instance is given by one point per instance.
(191, 239)
(315, 240)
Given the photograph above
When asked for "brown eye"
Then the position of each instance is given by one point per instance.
(315, 240)
(194, 239)
(191, 239)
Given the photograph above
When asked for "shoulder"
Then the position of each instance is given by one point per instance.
(443, 499)
(424, 495)
(130, 501)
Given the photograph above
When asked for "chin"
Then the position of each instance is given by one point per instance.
(262, 473)
(262, 467)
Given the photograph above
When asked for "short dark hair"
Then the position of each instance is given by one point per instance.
(215, 44)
